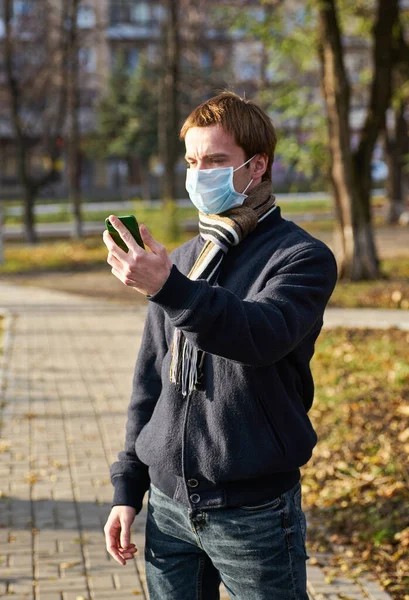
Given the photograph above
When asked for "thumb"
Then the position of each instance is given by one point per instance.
(149, 241)
(125, 534)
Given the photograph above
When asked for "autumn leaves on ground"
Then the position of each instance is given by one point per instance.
(356, 487)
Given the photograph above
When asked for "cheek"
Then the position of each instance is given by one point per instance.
(240, 180)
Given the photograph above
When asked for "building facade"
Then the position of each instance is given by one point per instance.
(215, 55)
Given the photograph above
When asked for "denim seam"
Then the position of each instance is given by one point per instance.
(287, 533)
(200, 578)
(301, 520)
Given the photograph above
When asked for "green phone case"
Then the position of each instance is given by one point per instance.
(130, 223)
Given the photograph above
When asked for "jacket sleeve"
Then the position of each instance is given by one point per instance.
(129, 475)
(260, 331)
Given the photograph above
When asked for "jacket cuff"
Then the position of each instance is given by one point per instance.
(128, 492)
(177, 293)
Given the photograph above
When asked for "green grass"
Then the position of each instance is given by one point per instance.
(62, 255)
(53, 256)
(356, 487)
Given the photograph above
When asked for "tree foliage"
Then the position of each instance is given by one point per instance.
(127, 115)
(290, 89)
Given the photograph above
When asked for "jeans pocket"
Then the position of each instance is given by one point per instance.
(269, 505)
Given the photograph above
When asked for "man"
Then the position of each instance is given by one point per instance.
(217, 424)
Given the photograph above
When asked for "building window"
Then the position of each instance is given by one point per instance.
(23, 8)
(131, 58)
(127, 58)
(86, 17)
(129, 11)
(205, 59)
(247, 61)
(88, 60)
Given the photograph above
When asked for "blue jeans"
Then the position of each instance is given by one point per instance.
(257, 551)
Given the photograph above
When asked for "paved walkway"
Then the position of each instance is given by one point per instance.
(65, 383)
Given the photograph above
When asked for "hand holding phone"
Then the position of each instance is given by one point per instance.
(131, 224)
(144, 271)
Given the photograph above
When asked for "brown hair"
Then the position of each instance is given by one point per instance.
(250, 126)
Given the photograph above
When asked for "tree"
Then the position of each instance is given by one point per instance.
(303, 58)
(397, 134)
(169, 115)
(351, 169)
(36, 51)
(289, 85)
(396, 151)
(127, 117)
(74, 106)
(1, 233)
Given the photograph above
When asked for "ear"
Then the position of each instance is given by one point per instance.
(259, 166)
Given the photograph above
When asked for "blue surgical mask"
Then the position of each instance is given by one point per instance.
(212, 190)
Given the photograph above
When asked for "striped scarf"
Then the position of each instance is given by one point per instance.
(220, 232)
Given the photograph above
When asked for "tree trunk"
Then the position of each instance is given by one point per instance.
(75, 137)
(169, 119)
(29, 222)
(397, 148)
(351, 173)
(145, 178)
(1, 232)
(394, 179)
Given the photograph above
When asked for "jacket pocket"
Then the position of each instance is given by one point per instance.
(272, 426)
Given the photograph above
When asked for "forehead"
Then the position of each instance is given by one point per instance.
(201, 141)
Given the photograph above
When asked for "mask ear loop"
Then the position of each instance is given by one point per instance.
(251, 180)
(247, 186)
(244, 164)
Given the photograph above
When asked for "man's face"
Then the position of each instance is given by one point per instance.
(211, 147)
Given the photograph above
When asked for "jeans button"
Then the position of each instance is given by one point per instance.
(192, 483)
(195, 498)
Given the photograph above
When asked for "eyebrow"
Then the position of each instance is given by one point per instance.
(211, 156)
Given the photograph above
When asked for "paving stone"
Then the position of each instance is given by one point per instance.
(20, 588)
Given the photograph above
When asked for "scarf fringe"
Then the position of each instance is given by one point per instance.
(187, 364)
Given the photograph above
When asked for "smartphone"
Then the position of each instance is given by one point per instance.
(130, 223)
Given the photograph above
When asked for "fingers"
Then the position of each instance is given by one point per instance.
(111, 541)
(121, 555)
(125, 234)
(112, 247)
(125, 535)
(113, 550)
(113, 260)
(149, 241)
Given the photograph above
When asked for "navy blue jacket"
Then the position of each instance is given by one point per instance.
(243, 437)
